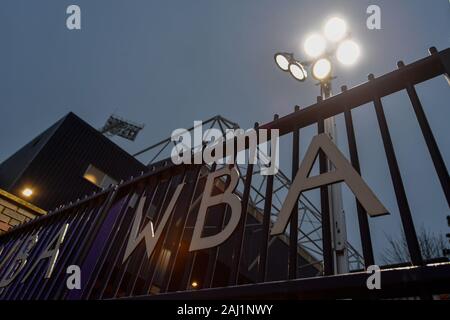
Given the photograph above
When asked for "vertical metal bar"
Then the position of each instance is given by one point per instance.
(427, 133)
(88, 241)
(19, 244)
(182, 248)
(209, 279)
(185, 260)
(70, 240)
(115, 231)
(212, 259)
(325, 209)
(122, 240)
(71, 219)
(181, 216)
(22, 290)
(55, 290)
(402, 201)
(115, 252)
(140, 256)
(236, 264)
(364, 229)
(158, 254)
(262, 266)
(152, 188)
(293, 225)
(155, 188)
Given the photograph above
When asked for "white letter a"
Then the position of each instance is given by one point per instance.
(343, 172)
(74, 20)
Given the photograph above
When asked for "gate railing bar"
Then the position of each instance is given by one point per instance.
(293, 224)
(262, 265)
(325, 209)
(427, 133)
(86, 293)
(235, 270)
(159, 257)
(364, 229)
(179, 257)
(430, 279)
(400, 193)
(214, 252)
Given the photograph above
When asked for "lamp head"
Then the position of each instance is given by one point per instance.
(315, 45)
(321, 69)
(348, 52)
(335, 29)
(298, 71)
(283, 60)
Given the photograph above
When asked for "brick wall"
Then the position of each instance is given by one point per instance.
(14, 211)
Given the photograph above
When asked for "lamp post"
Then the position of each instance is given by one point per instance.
(321, 48)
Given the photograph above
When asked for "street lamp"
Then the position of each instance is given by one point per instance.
(27, 192)
(335, 41)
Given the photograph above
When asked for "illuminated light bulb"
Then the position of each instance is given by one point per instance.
(322, 69)
(27, 192)
(335, 29)
(348, 52)
(282, 61)
(298, 71)
(315, 45)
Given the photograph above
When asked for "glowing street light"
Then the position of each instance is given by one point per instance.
(27, 192)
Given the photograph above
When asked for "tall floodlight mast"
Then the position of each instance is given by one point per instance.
(335, 41)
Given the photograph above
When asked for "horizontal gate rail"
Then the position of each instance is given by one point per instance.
(400, 282)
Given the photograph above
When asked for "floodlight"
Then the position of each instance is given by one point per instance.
(335, 29)
(321, 69)
(298, 71)
(315, 45)
(348, 52)
(283, 60)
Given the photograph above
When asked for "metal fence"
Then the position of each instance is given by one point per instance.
(93, 232)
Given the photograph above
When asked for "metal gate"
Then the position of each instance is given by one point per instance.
(92, 233)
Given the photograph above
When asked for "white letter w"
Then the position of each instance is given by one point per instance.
(151, 239)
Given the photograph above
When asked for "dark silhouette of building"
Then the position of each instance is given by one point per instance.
(67, 161)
